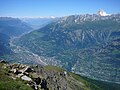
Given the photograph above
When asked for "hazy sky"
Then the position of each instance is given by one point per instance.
(46, 8)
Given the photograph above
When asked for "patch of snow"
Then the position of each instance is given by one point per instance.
(102, 13)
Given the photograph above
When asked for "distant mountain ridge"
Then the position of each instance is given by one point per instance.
(85, 44)
(13, 26)
(39, 22)
(9, 28)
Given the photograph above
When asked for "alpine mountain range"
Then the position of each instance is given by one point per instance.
(88, 45)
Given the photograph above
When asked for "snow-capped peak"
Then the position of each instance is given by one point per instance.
(102, 13)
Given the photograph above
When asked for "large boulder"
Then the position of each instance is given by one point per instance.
(26, 78)
(44, 84)
(28, 69)
(20, 75)
(3, 61)
(15, 71)
(37, 80)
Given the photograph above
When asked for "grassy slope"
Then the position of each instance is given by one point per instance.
(95, 84)
(7, 83)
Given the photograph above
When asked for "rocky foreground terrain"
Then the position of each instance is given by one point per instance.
(15, 76)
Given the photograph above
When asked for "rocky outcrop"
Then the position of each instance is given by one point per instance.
(3, 61)
(47, 78)
(26, 78)
(39, 77)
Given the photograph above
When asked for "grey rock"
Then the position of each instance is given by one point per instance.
(26, 78)
(3, 61)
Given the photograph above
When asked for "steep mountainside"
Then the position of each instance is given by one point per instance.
(13, 26)
(4, 45)
(85, 44)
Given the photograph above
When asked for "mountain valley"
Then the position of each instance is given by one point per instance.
(82, 43)
(87, 45)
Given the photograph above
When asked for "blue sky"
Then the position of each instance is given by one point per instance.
(46, 8)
